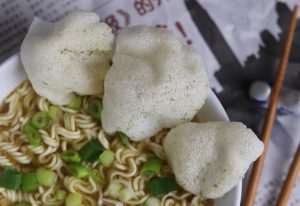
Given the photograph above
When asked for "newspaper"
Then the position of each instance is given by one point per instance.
(16, 17)
(239, 22)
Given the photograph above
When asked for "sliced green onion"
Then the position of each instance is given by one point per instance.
(10, 178)
(123, 138)
(125, 194)
(162, 186)
(22, 204)
(33, 135)
(54, 113)
(45, 177)
(151, 167)
(95, 174)
(75, 103)
(40, 120)
(77, 170)
(95, 108)
(152, 201)
(29, 182)
(60, 194)
(74, 199)
(70, 156)
(114, 189)
(90, 151)
(106, 158)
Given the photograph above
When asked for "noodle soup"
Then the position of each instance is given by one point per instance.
(117, 177)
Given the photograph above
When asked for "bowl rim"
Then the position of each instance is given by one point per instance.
(12, 74)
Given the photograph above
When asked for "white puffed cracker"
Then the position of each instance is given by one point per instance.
(211, 158)
(67, 57)
(155, 82)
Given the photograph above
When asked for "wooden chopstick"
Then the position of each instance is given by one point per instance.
(290, 180)
(271, 113)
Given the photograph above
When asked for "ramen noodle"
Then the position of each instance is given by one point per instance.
(73, 130)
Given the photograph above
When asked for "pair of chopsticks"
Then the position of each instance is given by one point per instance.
(268, 125)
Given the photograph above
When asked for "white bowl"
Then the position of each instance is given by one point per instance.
(12, 74)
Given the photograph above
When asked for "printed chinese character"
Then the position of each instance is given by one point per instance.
(113, 22)
(143, 6)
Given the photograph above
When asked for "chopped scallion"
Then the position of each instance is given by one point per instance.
(95, 174)
(74, 199)
(151, 167)
(10, 178)
(125, 194)
(45, 177)
(40, 120)
(106, 158)
(60, 194)
(90, 151)
(123, 138)
(152, 201)
(77, 170)
(162, 186)
(70, 156)
(54, 113)
(114, 189)
(29, 182)
(95, 108)
(33, 135)
(75, 103)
